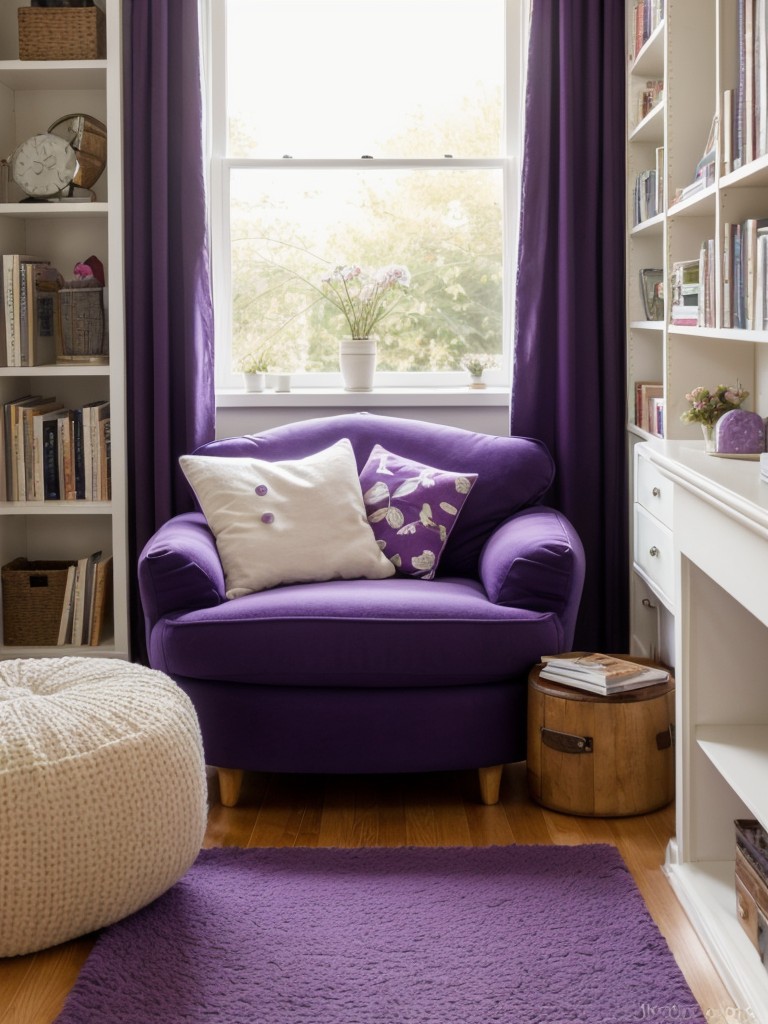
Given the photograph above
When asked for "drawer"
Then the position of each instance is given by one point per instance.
(654, 552)
(653, 491)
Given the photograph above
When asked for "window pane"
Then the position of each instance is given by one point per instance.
(347, 78)
(290, 228)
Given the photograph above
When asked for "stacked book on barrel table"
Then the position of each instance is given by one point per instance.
(600, 673)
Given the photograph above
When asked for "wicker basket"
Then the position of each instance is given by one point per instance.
(33, 598)
(62, 33)
(83, 337)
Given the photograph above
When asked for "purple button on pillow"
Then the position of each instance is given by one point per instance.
(739, 432)
(412, 509)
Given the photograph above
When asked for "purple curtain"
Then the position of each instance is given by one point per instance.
(569, 376)
(169, 316)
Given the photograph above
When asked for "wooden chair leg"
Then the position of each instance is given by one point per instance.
(230, 781)
(490, 783)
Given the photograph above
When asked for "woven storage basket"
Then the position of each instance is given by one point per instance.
(62, 33)
(33, 597)
(83, 338)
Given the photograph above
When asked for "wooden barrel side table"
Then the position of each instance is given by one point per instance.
(600, 756)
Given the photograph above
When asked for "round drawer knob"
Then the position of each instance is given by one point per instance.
(656, 492)
(742, 909)
(653, 552)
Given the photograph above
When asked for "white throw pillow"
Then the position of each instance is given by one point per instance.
(297, 521)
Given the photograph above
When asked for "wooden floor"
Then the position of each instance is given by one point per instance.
(440, 809)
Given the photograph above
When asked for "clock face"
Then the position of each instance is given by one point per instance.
(44, 165)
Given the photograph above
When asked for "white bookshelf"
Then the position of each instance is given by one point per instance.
(712, 621)
(33, 94)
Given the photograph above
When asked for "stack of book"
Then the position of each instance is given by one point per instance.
(51, 453)
(600, 673)
(85, 601)
(30, 324)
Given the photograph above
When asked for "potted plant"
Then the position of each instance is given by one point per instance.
(475, 365)
(706, 408)
(253, 367)
(364, 298)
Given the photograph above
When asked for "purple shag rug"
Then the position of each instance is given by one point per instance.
(508, 934)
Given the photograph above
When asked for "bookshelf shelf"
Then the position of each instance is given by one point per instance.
(53, 211)
(34, 94)
(649, 62)
(654, 227)
(38, 75)
(651, 128)
(55, 508)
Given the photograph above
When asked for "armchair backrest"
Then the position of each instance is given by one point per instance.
(513, 472)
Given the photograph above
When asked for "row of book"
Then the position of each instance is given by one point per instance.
(86, 601)
(600, 673)
(28, 327)
(646, 16)
(648, 194)
(52, 453)
(745, 108)
(649, 407)
(745, 275)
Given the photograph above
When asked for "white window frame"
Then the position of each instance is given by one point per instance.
(213, 22)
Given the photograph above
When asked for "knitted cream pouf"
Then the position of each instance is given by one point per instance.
(102, 795)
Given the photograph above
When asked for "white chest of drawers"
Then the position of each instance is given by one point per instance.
(653, 542)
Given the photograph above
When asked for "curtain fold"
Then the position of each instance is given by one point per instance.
(569, 352)
(169, 313)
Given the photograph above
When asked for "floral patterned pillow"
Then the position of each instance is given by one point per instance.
(412, 509)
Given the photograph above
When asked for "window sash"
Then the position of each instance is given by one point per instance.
(221, 167)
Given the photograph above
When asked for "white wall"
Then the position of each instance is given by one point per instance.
(231, 421)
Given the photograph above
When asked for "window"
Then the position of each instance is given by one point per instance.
(369, 133)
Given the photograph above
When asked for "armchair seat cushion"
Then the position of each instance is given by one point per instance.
(358, 633)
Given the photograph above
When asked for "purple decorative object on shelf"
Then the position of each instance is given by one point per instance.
(739, 432)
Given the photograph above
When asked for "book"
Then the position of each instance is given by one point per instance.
(100, 599)
(600, 673)
(727, 133)
(65, 624)
(83, 585)
(47, 463)
(658, 408)
(78, 461)
(66, 458)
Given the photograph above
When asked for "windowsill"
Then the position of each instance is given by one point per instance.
(378, 398)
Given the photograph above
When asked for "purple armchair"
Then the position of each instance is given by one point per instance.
(384, 675)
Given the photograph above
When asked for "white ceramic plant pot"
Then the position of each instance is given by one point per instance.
(357, 359)
(254, 381)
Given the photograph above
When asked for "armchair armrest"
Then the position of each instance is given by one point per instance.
(180, 569)
(535, 560)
